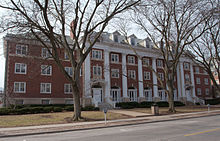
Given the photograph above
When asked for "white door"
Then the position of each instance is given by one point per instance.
(97, 96)
(188, 95)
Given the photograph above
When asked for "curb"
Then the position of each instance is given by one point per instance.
(118, 124)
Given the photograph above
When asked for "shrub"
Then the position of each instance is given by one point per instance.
(69, 108)
(5, 111)
(212, 101)
(48, 109)
(90, 108)
(57, 109)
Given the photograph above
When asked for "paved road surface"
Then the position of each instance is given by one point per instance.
(195, 129)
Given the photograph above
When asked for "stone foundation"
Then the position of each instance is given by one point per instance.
(141, 99)
(125, 99)
(156, 99)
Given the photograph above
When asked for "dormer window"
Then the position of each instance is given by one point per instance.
(115, 38)
(132, 41)
(147, 44)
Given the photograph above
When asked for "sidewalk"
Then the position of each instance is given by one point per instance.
(56, 128)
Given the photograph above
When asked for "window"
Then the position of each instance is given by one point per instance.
(115, 38)
(45, 87)
(132, 93)
(207, 91)
(132, 74)
(146, 75)
(132, 41)
(19, 87)
(68, 101)
(131, 59)
(20, 68)
(186, 66)
(96, 54)
(187, 79)
(115, 73)
(97, 70)
(66, 57)
(115, 94)
(69, 70)
(68, 88)
(199, 92)
(46, 70)
(146, 61)
(198, 80)
(161, 76)
(159, 63)
(196, 69)
(21, 49)
(45, 53)
(114, 58)
(45, 101)
(206, 81)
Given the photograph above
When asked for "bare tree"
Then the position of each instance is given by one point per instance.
(170, 24)
(49, 21)
(206, 49)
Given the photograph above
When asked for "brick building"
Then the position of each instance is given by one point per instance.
(111, 73)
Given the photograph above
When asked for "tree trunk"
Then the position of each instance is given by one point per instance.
(77, 107)
(171, 99)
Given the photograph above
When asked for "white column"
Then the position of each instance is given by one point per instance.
(140, 78)
(107, 75)
(87, 87)
(179, 81)
(155, 87)
(192, 80)
(182, 80)
(124, 76)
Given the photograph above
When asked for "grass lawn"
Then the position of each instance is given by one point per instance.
(52, 118)
(184, 109)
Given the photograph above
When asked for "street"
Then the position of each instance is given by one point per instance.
(194, 129)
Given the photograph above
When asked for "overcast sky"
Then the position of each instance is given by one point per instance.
(2, 63)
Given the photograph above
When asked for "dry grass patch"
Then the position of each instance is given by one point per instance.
(52, 118)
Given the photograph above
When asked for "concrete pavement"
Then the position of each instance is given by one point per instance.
(55, 128)
(191, 129)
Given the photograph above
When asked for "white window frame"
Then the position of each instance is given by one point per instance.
(46, 70)
(148, 94)
(186, 66)
(199, 91)
(196, 70)
(69, 70)
(206, 81)
(68, 89)
(114, 58)
(131, 59)
(115, 38)
(132, 94)
(146, 61)
(147, 75)
(45, 53)
(133, 42)
(115, 95)
(97, 54)
(187, 78)
(132, 74)
(115, 73)
(21, 66)
(44, 90)
(97, 70)
(198, 80)
(22, 48)
(45, 100)
(161, 76)
(159, 63)
(66, 57)
(19, 87)
(207, 91)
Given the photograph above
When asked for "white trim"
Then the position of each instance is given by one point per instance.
(45, 68)
(45, 92)
(19, 84)
(20, 68)
(69, 87)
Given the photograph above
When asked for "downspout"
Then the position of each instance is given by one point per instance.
(6, 76)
